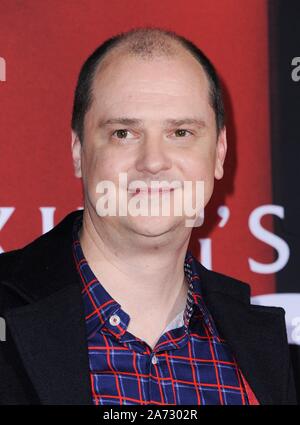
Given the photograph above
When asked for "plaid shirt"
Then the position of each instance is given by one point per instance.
(189, 365)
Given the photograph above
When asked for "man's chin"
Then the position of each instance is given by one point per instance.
(154, 226)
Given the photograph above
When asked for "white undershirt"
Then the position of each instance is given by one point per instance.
(177, 322)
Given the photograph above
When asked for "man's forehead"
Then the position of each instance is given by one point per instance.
(169, 92)
(111, 65)
(117, 100)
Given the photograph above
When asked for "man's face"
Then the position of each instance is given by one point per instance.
(170, 133)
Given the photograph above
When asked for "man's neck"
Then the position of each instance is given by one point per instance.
(150, 285)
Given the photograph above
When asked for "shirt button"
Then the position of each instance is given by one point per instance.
(114, 320)
(154, 360)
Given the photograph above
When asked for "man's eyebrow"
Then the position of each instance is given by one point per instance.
(121, 120)
(192, 121)
(139, 123)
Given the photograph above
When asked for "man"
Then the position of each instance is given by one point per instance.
(113, 309)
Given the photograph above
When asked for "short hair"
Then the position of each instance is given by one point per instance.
(144, 42)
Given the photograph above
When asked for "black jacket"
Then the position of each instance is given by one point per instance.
(45, 358)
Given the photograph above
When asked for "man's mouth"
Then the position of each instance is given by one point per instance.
(150, 191)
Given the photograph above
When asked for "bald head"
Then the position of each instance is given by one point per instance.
(146, 44)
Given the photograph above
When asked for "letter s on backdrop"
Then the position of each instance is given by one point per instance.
(269, 238)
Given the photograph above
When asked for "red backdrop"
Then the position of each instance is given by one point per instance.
(44, 44)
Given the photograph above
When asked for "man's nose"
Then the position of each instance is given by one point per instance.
(153, 156)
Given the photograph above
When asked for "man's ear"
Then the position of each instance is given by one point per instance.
(221, 150)
(76, 154)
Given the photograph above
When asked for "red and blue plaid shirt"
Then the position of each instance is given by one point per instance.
(189, 365)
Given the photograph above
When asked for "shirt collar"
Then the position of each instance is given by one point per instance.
(99, 306)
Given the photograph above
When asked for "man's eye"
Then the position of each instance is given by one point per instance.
(182, 132)
(121, 133)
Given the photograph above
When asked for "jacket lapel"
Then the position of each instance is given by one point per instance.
(256, 336)
(50, 337)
